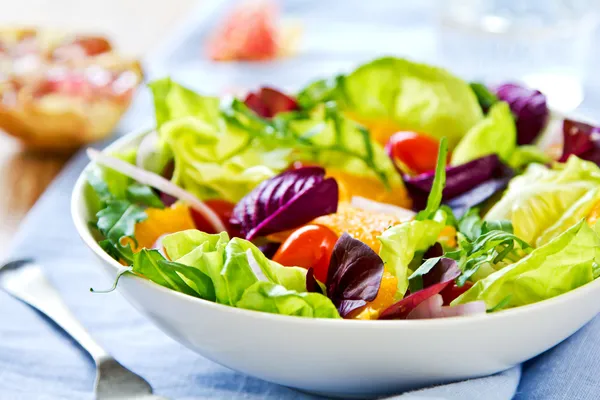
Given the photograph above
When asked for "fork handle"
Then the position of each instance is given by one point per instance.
(35, 290)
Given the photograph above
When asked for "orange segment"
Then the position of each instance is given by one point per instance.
(448, 236)
(162, 221)
(360, 224)
(370, 188)
(384, 299)
(381, 130)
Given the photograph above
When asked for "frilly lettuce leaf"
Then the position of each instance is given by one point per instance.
(226, 262)
(496, 133)
(399, 245)
(232, 272)
(542, 197)
(412, 96)
(276, 299)
(563, 264)
(214, 156)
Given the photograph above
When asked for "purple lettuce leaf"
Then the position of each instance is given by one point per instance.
(529, 108)
(467, 185)
(354, 275)
(582, 140)
(286, 201)
(436, 274)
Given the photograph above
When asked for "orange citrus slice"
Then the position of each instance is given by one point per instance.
(384, 299)
(370, 188)
(160, 222)
(360, 224)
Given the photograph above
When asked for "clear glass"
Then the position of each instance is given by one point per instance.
(545, 44)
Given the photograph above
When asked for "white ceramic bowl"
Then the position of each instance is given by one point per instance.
(348, 358)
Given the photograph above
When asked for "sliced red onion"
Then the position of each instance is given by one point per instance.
(403, 214)
(258, 272)
(158, 182)
(433, 308)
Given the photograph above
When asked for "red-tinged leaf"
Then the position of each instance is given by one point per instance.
(268, 102)
(435, 280)
(354, 275)
(451, 292)
(254, 102)
(467, 185)
(581, 140)
(277, 101)
(286, 201)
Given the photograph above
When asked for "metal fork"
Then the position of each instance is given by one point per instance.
(25, 280)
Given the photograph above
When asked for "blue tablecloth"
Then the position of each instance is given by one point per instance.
(38, 362)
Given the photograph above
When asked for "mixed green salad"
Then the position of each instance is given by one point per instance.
(396, 191)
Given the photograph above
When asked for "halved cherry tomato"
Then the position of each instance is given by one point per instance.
(308, 246)
(223, 209)
(415, 151)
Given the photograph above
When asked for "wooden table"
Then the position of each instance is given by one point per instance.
(135, 26)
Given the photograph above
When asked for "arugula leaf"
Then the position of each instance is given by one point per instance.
(472, 226)
(144, 195)
(415, 281)
(181, 278)
(491, 248)
(435, 196)
(117, 221)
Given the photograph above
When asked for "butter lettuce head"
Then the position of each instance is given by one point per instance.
(563, 264)
(543, 202)
(495, 134)
(405, 94)
(399, 245)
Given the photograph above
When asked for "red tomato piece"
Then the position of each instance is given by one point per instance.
(223, 209)
(308, 246)
(415, 151)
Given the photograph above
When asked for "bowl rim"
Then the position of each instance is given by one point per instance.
(82, 227)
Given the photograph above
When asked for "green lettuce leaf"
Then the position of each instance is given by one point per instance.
(541, 197)
(232, 265)
(528, 154)
(413, 96)
(276, 299)
(215, 156)
(561, 265)
(496, 133)
(399, 245)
